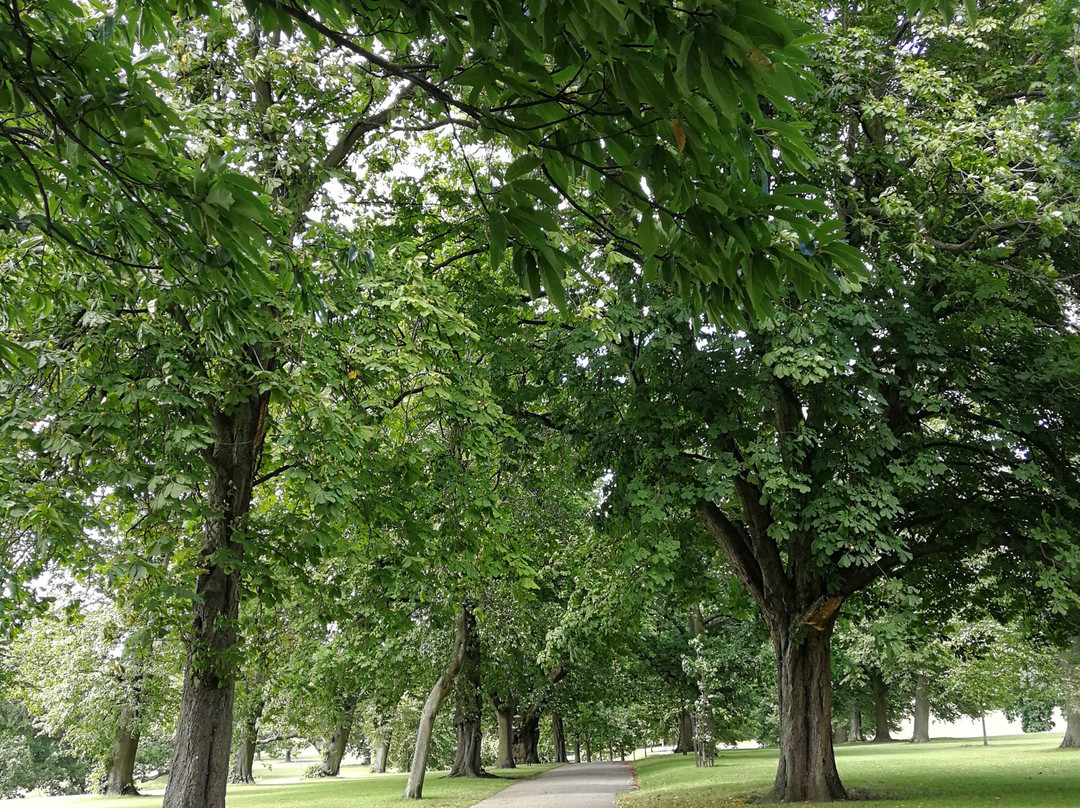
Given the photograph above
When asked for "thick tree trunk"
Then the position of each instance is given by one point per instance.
(685, 742)
(588, 748)
(527, 741)
(288, 754)
(468, 709)
(339, 740)
(807, 766)
(1070, 675)
(855, 732)
(558, 738)
(414, 788)
(200, 764)
(243, 764)
(881, 708)
(840, 733)
(382, 749)
(577, 749)
(120, 780)
(504, 719)
(921, 733)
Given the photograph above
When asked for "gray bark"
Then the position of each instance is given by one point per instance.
(468, 708)
(200, 764)
(921, 732)
(558, 737)
(414, 788)
(881, 708)
(1070, 669)
(120, 780)
(504, 719)
(339, 740)
(855, 731)
(382, 750)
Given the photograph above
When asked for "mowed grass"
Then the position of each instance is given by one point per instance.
(1026, 771)
(355, 790)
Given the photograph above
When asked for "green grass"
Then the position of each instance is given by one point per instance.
(1026, 771)
(356, 789)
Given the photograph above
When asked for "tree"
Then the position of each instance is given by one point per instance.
(829, 444)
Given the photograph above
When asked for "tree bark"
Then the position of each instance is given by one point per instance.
(840, 733)
(685, 742)
(382, 749)
(1070, 675)
(921, 732)
(505, 709)
(120, 780)
(855, 732)
(243, 764)
(468, 708)
(807, 768)
(881, 708)
(527, 741)
(200, 762)
(414, 788)
(339, 740)
(577, 748)
(558, 738)
(588, 748)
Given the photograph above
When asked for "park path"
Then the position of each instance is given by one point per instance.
(581, 785)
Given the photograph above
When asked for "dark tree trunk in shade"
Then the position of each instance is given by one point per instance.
(339, 740)
(577, 748)
(588, 748)
(288, 754)
(527, 741)
(881, 708)
(558, 738)
(921, 731)
(505, 709)
(840, 733)
(414, 787)
(685, 742)
(120, 778)
(200, 763)
(855, 732)
(469, 704)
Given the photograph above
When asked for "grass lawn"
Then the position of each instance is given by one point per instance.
(1024, 771)
(277, 788)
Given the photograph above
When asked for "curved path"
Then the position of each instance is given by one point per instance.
(577, 785)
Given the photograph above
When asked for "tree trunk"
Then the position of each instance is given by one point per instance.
(504, 719)
(200, 763)
(881, 708)
(1070, 668)
(840, 733)
(468, 708)
(339, 740)
(685, 742)
(120, 780)
(288, 754)
(414, 788)
(921, 733)
(382, 749)
(588, 748)
(558, 738)
(577, 748)
(528, 738)
(807, 768)
(855, 733)
(243, 765)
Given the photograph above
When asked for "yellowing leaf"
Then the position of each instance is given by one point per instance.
(680, 135)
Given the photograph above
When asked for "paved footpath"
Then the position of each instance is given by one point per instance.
(575, 785)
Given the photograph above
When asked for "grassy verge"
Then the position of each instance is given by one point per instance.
(1013, 772)
(354, 790)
